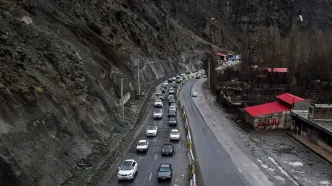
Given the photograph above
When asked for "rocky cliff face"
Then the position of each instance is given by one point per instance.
(61, 64)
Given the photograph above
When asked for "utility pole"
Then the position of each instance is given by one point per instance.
(122, 98)
(227, 10)
(139, 85)
(209, 69)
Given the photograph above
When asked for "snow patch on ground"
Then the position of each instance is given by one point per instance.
(282, 170)
(265, 166)
(324, 183)
(295, 164)
(279, 178)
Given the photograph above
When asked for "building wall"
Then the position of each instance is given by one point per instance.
(315, 135)
(320, 113)
(302, 105)
(325, 146)
(281, 120)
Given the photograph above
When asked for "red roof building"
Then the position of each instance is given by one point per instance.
(274, 114)
(289, 98)
(266, 108)
(278, 70)
(220, 54)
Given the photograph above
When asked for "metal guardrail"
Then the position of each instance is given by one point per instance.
(189, 139)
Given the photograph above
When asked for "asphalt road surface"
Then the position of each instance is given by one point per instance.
(149, 162)
(215, 166)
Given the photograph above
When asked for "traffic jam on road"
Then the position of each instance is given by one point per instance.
(165, 100)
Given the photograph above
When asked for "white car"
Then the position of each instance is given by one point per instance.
(171, 91)
(170, 96)
(128, 170)
(173, 106)
(174, 134)
(165, 83)
(152, 131)
(159, 93)
(142, 145)
(158, 103)
(194, 94)
(158, 113)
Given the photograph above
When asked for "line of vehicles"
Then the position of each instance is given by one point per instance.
(129, 168)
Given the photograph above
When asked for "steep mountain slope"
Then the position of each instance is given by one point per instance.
(61, 64)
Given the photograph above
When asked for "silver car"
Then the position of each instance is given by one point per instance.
(158, 113)
(152, 131)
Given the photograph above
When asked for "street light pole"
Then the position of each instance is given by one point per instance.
(122, 98)
(209, 69)
(138, 80)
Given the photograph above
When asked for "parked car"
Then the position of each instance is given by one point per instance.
(171, 91)
(128, 170)
(194, 94)
(171, 113)
(198, 76)
(158, 113)
(158, 103)
(172, 121)
(142, 146)
(205, 76)
(165, 83)
(174, 134)
(152, 130)
(167, 149)
(170, 96)
(164, 172)
(170, 80)
(173, 78)
(163, 89)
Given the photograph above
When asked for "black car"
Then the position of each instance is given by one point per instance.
(163, 90)
(167, 149)
(170, 80)
(198, 77)
(171, 113)
(172, 120)
(164, 172)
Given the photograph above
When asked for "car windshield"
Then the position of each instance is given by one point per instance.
(141, 143)
(127, 165)
(152, 127)
(158, 111)
(172, 118)
(174, 132)
(167, 147)
(164, 168)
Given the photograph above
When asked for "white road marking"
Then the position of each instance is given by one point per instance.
(155, 157)
(150, 176)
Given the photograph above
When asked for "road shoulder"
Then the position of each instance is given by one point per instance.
(246, 166)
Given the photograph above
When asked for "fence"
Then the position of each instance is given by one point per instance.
(189, 139)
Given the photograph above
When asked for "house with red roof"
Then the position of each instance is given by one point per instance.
(221, 56)
(275, 114)
(276, 75)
